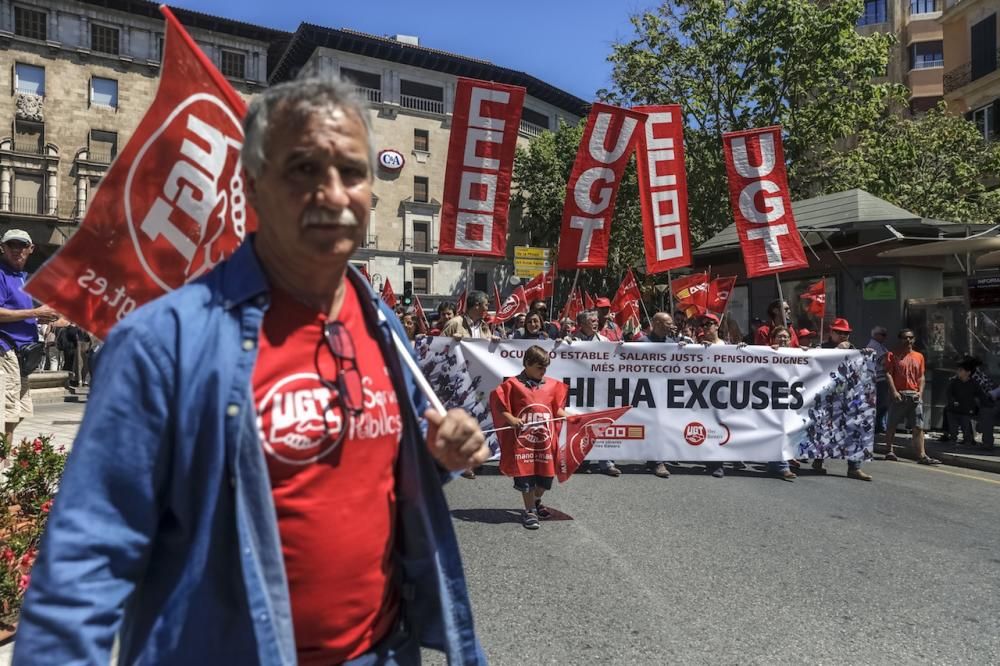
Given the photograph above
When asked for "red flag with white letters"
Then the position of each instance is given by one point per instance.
(815, 298)
(691, 293)
(762, 206)
(581, 432)
(484, 127)
(541, 286)
(659, 159)
(719, 291)
(607, 144)
(625, 304)
(388, 295)
(514, 305)
(171, 206)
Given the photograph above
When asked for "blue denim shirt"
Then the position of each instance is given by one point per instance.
(164, 524)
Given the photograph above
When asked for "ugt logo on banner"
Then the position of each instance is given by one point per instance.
(762, 207)
(593, 184)
(171, 206)
(480, 163)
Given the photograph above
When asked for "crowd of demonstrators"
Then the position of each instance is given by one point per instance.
(778, 314)
(472, 323)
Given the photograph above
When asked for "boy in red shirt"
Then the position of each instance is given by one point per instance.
(525, 406)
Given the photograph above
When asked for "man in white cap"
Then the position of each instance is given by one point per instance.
(19, 321)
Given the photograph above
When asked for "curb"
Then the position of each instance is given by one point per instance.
(946, 458)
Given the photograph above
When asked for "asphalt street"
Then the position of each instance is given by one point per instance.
(742, 570)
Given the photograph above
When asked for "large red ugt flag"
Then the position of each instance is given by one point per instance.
(762, 207)
(171, 206)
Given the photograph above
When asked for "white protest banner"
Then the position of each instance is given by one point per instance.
(691, 403)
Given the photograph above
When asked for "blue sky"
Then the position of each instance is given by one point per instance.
(562, 42)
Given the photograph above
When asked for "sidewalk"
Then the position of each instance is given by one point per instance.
(59, 419)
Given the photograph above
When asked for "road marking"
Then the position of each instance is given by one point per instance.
(966, 476)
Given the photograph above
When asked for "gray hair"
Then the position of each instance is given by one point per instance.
(477, 298)
(301, 98)
(584, 316)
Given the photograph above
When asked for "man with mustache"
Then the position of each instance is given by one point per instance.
(251, 483)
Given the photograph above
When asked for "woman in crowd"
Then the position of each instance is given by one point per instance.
(781, 337)
(532, 328)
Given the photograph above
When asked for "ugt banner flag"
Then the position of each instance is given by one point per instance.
(171, 206)
(606, 145)
(484, 130)
(762, 207)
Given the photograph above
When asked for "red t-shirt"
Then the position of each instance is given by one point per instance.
(763, 336)
(906, 369)
(335, 504)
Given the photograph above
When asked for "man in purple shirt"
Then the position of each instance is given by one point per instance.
(19, 321)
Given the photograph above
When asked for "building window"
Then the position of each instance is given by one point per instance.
(159, 47)
(983, 38)
(368, 85)
(29, 79)
(30, 23)
(233, 64)
(29, 137)
(103, 146)
(533, 123)
(924, 6)
(103, 92)
(421, 140)
(421, 237)
(420, 189)
(927, 54)
(103, 39)
(986, 120)
(421, 96)
(480, 280)
(421, 280)
(28, 192)
(874, 12)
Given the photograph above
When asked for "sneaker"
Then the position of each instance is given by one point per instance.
(662, 471)
(718, 472)
(927, 460)
(530, 520)
(891, 456)
(817, 467)
(612, 471)
(542, 510)
(858, 474)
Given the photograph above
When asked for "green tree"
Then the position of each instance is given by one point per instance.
(937, 166)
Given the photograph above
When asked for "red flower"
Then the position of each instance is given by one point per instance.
(22, 584)
(23, 462)
(37, 445)
(47, 506)
(28, 559)
(7, 555)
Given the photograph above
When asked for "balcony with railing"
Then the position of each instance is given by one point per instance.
(100, 156)
(370, 95)
(27, 205)
(531, 129)
(421, 104)
(28, 147)
(965, 74)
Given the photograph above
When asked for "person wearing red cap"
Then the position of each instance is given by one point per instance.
(840, 338)
(807, 338)
(605, 323)
(710, 330)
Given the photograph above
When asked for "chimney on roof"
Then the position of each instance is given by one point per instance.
(412, 40)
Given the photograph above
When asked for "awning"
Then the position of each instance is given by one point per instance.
(988, 260)
(945, 247)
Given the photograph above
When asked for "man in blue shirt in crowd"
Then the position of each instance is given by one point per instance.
(172, 525)
(19, 321)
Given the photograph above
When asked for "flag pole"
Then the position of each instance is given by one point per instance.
(781, 298)
(642, 301)
(572, 289)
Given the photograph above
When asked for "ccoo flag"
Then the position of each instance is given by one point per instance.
(171, 206)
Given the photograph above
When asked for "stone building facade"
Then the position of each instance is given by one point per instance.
(972, 62)
(80, 75)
